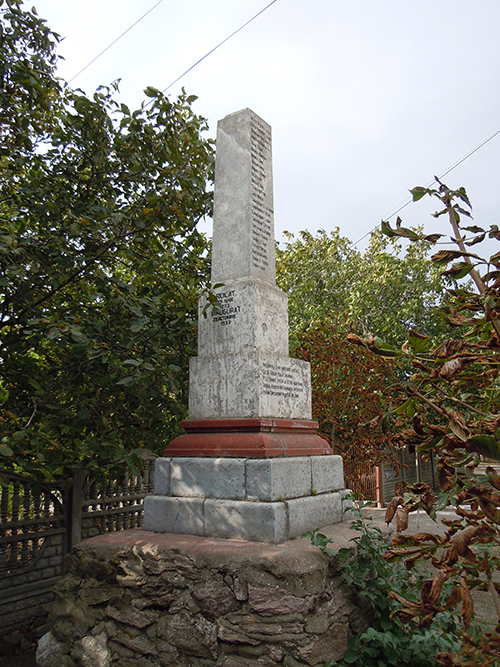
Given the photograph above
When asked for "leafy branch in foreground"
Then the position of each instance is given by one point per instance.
(452, 408)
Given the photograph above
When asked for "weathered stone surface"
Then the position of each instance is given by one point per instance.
(238, 661)
(178, 565)
(193, 635)
(244, 520)
(132, 573)
(327, 473)
(243, 368)
(289, 661)
(278, 478)
(249, 304)
(240, 589)
(162, 476)
(290, 611)
(230, 633)
(252, 624)
(92, 651)
(159, 592)
(138, 644)
(253, 385)
(89, 567)
(50, 652)
(268, 602)
(317, 623)
(330, 646)
(184, 602)
(208, 478)
(318, 511)
(76, 610)
(215, 599)
(133, 617)
(97, 594)
(243, 200)
(174, 515)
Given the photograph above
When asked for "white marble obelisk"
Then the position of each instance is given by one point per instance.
(243, 368)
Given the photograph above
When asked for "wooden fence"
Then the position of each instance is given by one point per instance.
(378, 484)
(39, 523)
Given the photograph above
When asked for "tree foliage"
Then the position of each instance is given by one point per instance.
(452, 403)
(334, 289)
(349, 397)
(384, 291)
(101, 262)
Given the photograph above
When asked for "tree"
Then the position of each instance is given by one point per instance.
(349, 397)
(383, 291)
(101, 263)
(334, 289)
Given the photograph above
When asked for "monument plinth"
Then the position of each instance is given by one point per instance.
(247, 398)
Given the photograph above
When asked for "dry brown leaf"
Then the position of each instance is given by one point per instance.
(449, 557)
(437, 585)
(448, 348)
(392, 507)
(446, 659)
(490, 508)
(451, 368)
(401, 519)
(468, 603)
(454, 598)
(409, 604)
(463, 539)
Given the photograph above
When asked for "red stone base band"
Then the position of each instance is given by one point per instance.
(257, 438)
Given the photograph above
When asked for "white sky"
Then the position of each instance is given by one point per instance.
(366, 98)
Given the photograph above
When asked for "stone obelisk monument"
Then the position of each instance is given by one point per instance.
(250, 465)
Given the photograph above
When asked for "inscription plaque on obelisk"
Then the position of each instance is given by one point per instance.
(243, 369)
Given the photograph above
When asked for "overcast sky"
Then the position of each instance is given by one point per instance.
(366, 98)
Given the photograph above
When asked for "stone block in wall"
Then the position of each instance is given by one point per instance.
(318, 511)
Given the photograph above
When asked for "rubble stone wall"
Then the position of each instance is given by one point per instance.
(141, 599)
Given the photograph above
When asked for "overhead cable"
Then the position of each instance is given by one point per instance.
(216, 47)
(404, 204)
(116, 40)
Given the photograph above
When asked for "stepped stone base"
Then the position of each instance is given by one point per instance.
(255, 437)
(260, 500)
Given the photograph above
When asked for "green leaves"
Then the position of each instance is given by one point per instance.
(101, 264)
(486, 445)
(419, 192)
(418, 343)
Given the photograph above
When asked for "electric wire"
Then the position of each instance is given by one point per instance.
(114, 42)
(404, 204)
(352, 245)
(315, 272)
(218, 45)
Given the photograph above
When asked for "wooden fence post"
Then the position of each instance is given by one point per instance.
(76, 507)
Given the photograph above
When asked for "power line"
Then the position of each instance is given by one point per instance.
(404, 204)
(116, 40)
(216, 47)
(315, 271)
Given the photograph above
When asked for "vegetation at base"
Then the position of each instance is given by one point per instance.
(101, 262)
(451, 406)
(387, 641)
